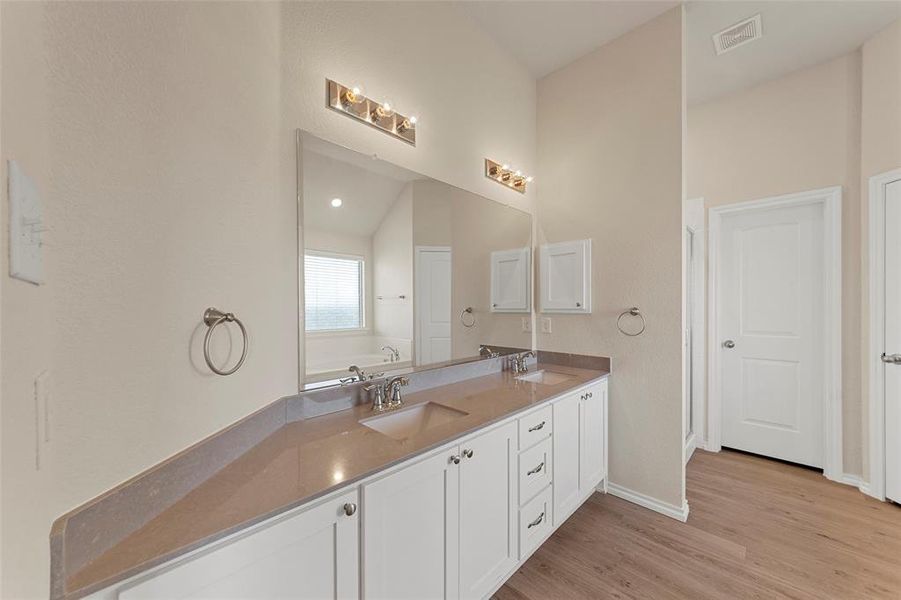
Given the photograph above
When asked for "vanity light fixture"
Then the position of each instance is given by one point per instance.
(337, 202)
(382, 115)
(507, 176)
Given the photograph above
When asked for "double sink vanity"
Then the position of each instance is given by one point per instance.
(431, 467)
(443, 497)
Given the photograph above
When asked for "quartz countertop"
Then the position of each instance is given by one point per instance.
(307, 459)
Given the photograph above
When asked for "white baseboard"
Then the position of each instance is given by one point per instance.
(858, 482)
(664, 508)
(853, 480)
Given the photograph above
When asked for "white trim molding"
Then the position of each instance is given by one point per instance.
(876, 229)
(831, 200)
(680, 513)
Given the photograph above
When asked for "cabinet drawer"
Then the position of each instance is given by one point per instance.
(535, 520)
(535, 465)
(535, 427)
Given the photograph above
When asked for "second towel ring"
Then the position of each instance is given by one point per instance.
(632, 312)
(213, 317)
(472, 320)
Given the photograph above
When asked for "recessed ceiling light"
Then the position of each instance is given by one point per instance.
(337, 202)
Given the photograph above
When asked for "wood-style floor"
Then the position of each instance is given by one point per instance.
(757, 529)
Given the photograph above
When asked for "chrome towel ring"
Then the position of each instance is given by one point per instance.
(632, 312)
(213, 317)
(472, 317)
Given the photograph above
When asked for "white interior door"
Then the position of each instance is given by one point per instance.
(433, 302)
(770, 321)
(892, 371)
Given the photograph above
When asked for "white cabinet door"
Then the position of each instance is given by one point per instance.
(488, 511)
(592, 437)
(411, 531)
(310, 555)
(566, 438)
(566, 277)
(510, 280)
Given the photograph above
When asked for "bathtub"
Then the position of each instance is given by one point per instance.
(336, 368)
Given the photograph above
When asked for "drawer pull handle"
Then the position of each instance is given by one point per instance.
(536, 469)
(350, 508)
(537, 427)
(536, 522)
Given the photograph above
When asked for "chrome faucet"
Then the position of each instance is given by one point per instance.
(395, 355)
(392, 390)
(359, 375)
(518, 362)
(387, 394)
(486, 351)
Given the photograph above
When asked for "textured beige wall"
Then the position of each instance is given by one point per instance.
(162, 138)
(609, 138)
(880, 152)
(799, 132)
(392, 267)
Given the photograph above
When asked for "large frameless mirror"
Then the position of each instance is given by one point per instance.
(401, 272)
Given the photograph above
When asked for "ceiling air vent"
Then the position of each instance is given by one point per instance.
(738, 35)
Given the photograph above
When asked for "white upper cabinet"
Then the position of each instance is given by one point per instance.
(511, 280)
(566, 277)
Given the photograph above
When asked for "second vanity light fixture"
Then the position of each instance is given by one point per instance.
(381, 115)
(507, 176)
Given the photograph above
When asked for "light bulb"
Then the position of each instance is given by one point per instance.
(352, 96)
(413, 120)
(530, 179)
(518, 173)
(384, 110)
(337, 202)
(505, 167)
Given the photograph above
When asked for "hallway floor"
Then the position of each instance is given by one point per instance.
(757, 529)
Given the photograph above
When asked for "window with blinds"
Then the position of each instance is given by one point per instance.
(333, 292)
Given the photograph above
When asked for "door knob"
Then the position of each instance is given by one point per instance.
(729, 344)
(892, 359)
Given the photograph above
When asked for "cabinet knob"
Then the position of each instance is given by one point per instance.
(350, 508)
(468, 453)
(578, 304)
(455, 459)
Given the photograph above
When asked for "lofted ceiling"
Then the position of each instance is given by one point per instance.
(545, 35)
(549, 34)
(796, 35)
(368, 187)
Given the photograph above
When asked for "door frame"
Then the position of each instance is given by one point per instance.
(418, 251)
(693, 220)
(876, 260)
(831, 200)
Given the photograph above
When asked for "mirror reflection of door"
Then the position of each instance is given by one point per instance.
(433, 305)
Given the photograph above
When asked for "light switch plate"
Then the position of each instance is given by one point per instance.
(545, 325)
(527, 324)
(26, 227)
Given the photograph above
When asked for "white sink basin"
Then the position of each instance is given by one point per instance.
(545, 377)
(408, 422)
